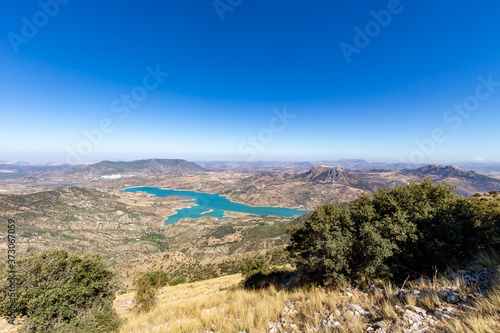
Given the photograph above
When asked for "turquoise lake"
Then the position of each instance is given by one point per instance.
(216, 202)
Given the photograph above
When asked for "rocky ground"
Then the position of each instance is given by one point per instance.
(424, 308)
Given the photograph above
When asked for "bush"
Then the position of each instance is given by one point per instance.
(145, 295)
(58, 292)
(157, 279)
(252, 266)
(98, 320)
(488, 215)
(146, 289)
(322, 246)
(404, 231)
(177, 281)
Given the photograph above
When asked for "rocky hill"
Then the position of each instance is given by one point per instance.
(323, 174)
(440, 172)
(338, 175)
(467, 182)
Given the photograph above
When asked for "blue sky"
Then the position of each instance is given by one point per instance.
(67, 67)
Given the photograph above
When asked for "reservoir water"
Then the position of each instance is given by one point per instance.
(215, 202)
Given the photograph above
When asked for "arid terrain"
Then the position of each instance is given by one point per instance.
(82, 208)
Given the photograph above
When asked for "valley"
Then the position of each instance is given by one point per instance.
(84, 208)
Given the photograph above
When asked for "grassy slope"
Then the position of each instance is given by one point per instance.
(222, 305)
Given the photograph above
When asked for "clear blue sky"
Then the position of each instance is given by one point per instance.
(70, 73)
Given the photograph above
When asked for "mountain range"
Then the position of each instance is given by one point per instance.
(141, 167)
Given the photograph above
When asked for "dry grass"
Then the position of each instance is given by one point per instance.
(221, 305)
(486, 319)
(489, 259)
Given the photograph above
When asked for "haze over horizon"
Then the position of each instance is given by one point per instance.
(385, 81)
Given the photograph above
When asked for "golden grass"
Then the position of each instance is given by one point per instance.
(222, 305)
(485, 320)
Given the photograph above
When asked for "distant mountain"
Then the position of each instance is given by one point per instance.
(359, 164)
(440, 171)
(13, 171)
(256, 166)
(337, 175)
(466, 182)
(324, 174)
(353, 161)
(142, 167)
(486, 169)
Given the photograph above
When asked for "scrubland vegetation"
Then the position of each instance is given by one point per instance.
(58, 292)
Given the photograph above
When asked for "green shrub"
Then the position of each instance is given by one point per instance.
(404, 231)
(57, 292)
(278, 256)
(177, 281)
(252, 266)
(157, 279)
(98, 320)
(145, 295)
(488, 217)
(146, 288)
(323, 245)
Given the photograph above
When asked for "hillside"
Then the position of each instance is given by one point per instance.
(337, 175)
(288, 190)
(83, 220)
(467, 182)
(356, 299)
(141, 167)
(20, 179)
(448, 304)
(210, 248)
(127, 229)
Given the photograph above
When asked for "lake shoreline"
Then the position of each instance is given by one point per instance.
(213, 204)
